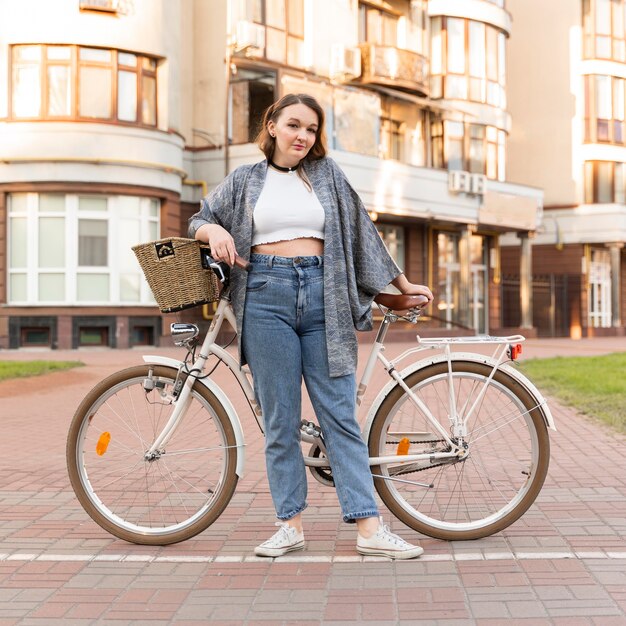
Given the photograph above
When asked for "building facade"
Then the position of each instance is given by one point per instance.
(569, 138)
(116, 116)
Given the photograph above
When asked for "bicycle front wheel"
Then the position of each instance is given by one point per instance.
(507, 447)
(175, 494)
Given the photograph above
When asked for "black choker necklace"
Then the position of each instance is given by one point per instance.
(280, 168)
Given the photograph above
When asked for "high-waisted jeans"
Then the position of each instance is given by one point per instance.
(284, 340)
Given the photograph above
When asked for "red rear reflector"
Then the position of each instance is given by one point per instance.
(515, 351)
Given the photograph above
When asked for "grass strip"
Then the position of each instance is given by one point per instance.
(595, 385)
(21, 369)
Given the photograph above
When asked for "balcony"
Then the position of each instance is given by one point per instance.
(394, 67)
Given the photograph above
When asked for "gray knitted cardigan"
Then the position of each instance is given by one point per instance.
(357, 265)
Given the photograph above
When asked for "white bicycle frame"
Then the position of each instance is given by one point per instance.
(459, 426)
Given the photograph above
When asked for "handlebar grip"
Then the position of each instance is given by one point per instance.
(242, 263)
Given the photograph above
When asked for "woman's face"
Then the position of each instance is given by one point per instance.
(294, 131)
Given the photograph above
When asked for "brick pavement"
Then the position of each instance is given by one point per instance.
(564, 562)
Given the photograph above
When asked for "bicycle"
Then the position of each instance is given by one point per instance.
(458, 442)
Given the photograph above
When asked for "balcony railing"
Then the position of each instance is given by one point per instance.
(394, 67)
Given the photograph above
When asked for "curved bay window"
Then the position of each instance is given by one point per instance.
(604, 29)
(467, 61)
(604, 109)
(469, 147)
(605, 182)
(55, 82)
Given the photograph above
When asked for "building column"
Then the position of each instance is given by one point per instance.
(526, 280)
(616, 253)
(464, 278)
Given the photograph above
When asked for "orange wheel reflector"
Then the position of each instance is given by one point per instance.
(403, 446)
(103, 443)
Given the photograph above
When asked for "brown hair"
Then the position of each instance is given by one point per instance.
(267, 143)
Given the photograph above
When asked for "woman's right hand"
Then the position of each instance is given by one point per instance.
(220, 241)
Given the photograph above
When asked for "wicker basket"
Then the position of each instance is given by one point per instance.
(173, 269)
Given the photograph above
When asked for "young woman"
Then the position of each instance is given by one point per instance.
(317, 262)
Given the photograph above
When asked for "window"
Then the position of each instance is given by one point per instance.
(402, 132)
(69, 249)
(251, 92)
(393, 236)
(35, 336)
(448, 277)
(74, 82)
(605, 182)
(377, 26)
(604, 109)
(283, 21)
(469, 147)
(468, 61)
(599, 289)
(604, 29)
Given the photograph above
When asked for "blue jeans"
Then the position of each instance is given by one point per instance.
(284, 339)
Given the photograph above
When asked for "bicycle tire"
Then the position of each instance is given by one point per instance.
(509, 452)
(151, 502)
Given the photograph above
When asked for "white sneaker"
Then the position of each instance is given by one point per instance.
(285, 539)
(385, 543)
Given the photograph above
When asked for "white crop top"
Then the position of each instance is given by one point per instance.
(286, 210)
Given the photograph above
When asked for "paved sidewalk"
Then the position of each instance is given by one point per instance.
(564, 562)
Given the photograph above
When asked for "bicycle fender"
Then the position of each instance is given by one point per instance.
(216, 390)
(459, 356)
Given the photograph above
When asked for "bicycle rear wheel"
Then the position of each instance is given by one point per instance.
(169, 498)
(507, 442)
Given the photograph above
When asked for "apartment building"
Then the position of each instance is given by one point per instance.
(116, 116)
(569, 138)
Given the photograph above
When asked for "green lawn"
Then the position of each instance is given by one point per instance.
(595, 385)
(20, 369)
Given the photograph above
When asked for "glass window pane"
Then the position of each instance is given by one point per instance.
(455, 154)
(127, 96)
(502, 58)
(603, 97)
(51, 242)
(59, 53)
(454, 129)
(275, 13)
(149, 64)
(154, 208)
(618, 99)
(92, 287)
(357, 121)
(620, 196)
(477, 49)
(26, 91)
(130, 286)
(276, 45)
(18, 242)
(374, 26)
(390, 30)
(51, 203)
(148, 100)
(18, 202)
(27, 53)
(125, 58)
(492, 160)
(59, 91)
(92, 204)
(589, 183)
(501, 155)
(477, 156)
(92, 243)
(456, 45)
(456, 87)
(492, 53)
(18, 291)
(296, 17)
(603, 16)
(95, 54)
(295, 48)
(51, 287)
(153, 229)
(95, 92)
(436, 43)
(128, 206)
(129, 235)
(604, 171)
(603, 47)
